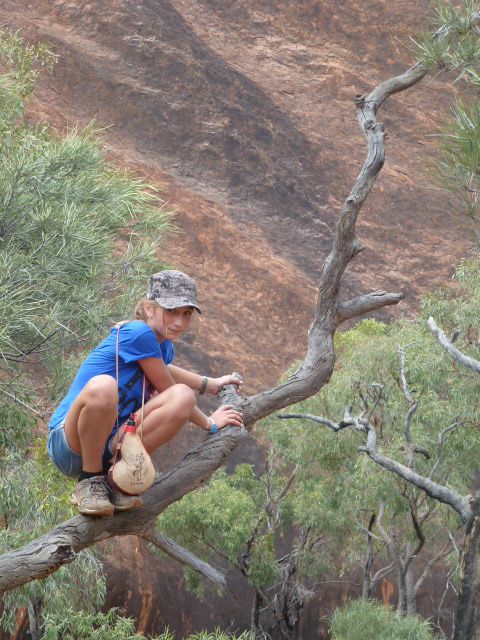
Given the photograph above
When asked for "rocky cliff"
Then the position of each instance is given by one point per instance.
(242, 113)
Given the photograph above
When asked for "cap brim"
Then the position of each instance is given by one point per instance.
(175, 303)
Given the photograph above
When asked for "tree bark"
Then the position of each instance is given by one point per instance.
(367, 578)
(467, 607)
(255, 627)
(35, 607)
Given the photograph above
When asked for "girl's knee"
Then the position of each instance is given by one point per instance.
(184, 398)
(102, 391)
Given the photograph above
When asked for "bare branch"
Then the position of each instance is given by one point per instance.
(185, 557)
(441, 443)
(410, 399)
(367, 577)
(450, 348)
(366, 303)
(380, 527)
(443, 494)
(381, 573)
(318, 419)
(445, 551)
(317, 367)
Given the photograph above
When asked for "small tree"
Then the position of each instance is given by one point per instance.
(440, 444)
(267, 528)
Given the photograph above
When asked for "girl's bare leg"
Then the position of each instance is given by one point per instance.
(164, 415)
(90, 420)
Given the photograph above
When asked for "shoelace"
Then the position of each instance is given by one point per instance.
(98, 488)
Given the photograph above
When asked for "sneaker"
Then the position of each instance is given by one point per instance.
(122, 502)
(91, 497)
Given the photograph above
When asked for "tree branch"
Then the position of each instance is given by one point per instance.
(441, 444)
(184, 556)
(447, 549)
(46, 554)
(366, 303)
(451, 349)
(316, 369)
(334, 426)
(443, 494)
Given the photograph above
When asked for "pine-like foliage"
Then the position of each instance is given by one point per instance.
(368, 620)
(78, 239)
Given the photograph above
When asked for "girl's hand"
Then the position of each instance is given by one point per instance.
(227, 415)
(215, 384)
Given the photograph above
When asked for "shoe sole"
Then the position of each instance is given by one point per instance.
(136, 505)
(106, 511)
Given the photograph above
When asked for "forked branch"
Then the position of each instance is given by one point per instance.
(46, 554)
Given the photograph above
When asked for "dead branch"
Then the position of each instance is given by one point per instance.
(185, 557)
(451, 349)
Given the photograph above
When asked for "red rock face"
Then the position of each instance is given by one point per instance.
(243, 113)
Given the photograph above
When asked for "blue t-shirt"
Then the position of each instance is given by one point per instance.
(136, 341)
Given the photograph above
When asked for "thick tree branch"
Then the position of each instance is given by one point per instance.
(365, 304)
(60, 546)
(317, 367)
(185, 557)
(451, 349)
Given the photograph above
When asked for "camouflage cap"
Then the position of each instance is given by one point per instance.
(172, 289)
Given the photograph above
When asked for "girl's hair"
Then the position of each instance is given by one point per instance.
(139, 311)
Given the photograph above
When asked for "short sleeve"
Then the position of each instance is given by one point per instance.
(168, 352)
(138, 341)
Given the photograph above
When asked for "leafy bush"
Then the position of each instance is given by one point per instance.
(368, 620)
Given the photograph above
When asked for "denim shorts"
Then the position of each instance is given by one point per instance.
(68, 461)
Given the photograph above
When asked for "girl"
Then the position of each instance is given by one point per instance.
(109, 387)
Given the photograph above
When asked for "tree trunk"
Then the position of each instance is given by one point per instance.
(411, 594)
(467, 613)
(256, 628)
(367, 579)
(402, 593)
(35, 607)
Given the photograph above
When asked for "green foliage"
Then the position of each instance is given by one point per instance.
(456, 168)
(77, 241)
(454, 45)
(77, 236)
(73, 625)
(452, 42)
(77, 590)
(368, 620)
(220, 515)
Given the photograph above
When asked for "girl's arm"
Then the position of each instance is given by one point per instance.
(194, 380)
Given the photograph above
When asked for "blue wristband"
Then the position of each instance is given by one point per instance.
(213, 426)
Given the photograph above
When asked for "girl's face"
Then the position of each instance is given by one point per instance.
(169, 323)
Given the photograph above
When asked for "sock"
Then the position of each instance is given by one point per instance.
(90, 474)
